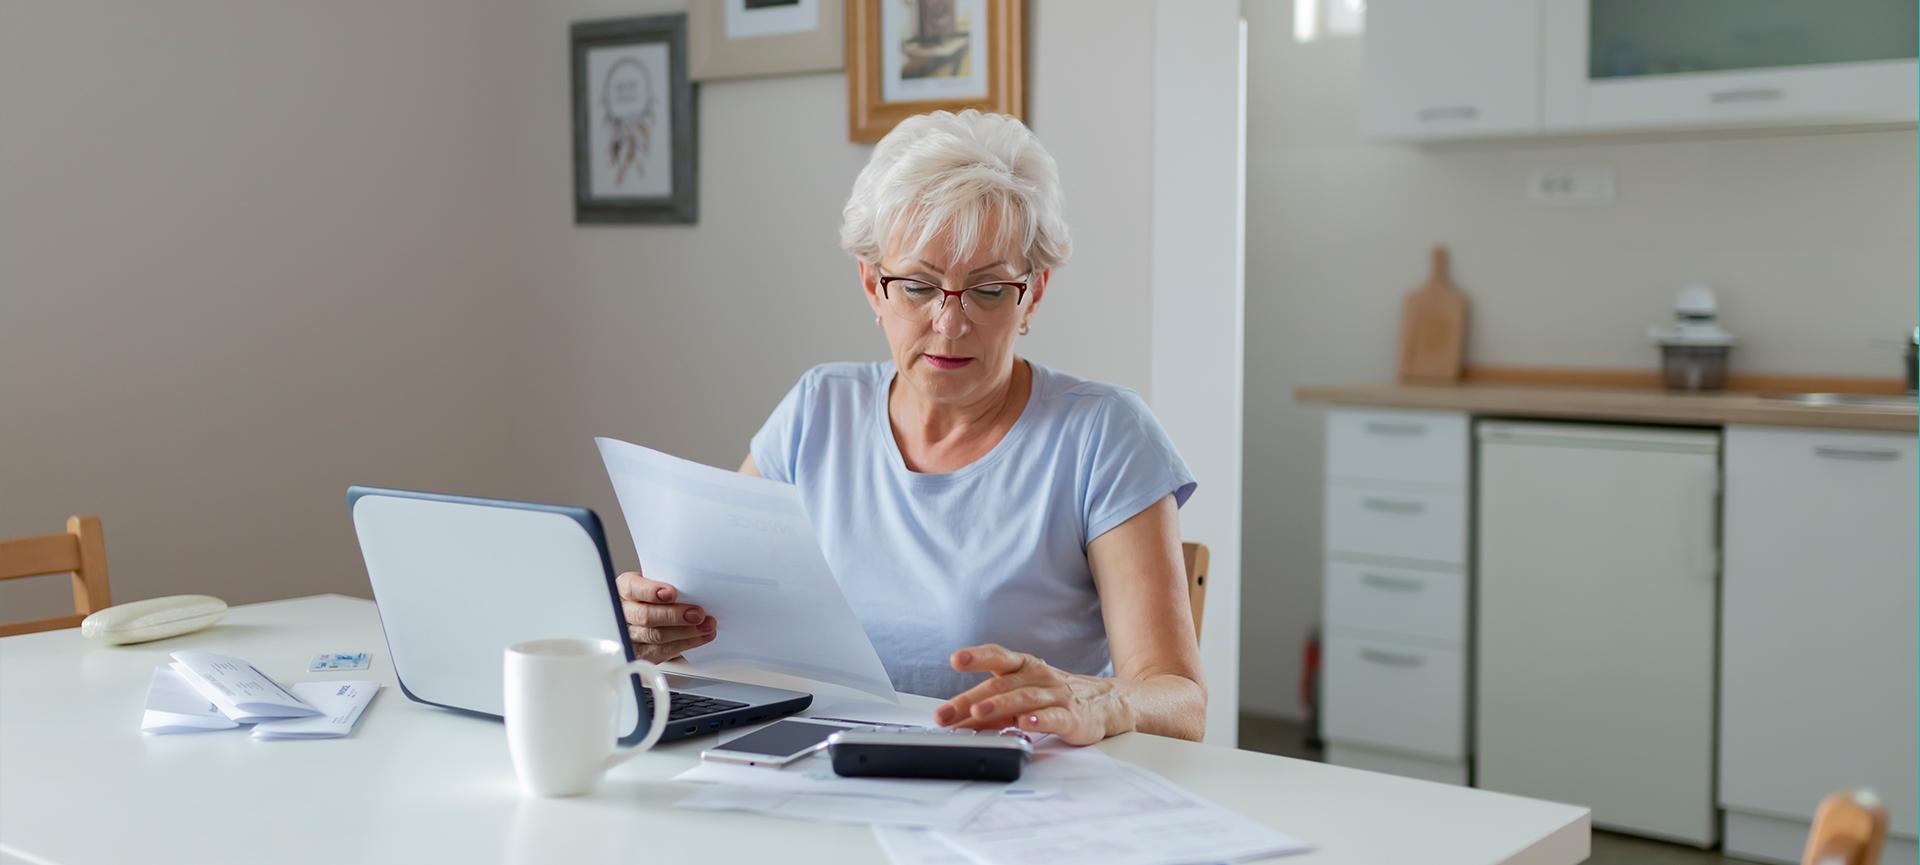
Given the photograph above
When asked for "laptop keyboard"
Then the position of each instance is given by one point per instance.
(682, 706)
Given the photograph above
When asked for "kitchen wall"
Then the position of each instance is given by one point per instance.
(249, 254)
(1808, 240)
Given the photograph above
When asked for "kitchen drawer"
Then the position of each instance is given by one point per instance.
(1394, 695)
(1425, 526)
(1414, 603)
(1416, 447)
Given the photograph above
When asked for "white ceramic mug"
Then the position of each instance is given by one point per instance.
(563, 705)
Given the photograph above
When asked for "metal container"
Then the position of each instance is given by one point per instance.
(1694, 367)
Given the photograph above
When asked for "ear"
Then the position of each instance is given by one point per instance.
(870, 283)
(1036, 289)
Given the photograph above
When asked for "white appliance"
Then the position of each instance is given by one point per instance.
(1598, 559)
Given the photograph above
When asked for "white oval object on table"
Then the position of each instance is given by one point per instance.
(152, 619)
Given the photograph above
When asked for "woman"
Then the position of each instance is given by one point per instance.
(1008, 535)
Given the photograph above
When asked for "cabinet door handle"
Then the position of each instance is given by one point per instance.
(1396, 428)
(1448, 112)
(1391, 659)
(1393, 584)
(1746, 94)
(1878, 455)
(1393, 506)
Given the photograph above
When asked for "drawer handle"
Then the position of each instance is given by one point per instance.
(1396, 428)
(1746, 94)
(1391, 659)
(1393, 506)
(1393, 584)
(1448, 112)
(1878, 455)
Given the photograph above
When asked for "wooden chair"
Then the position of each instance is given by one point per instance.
(80, 551)
(1849, 829)
(1196, 556)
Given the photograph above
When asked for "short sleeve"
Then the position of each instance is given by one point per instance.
(777, 443)
(1129, 464)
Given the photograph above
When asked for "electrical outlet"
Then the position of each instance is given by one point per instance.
(1576, 184)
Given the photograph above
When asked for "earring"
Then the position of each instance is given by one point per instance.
(876, 321)
(1024, 328)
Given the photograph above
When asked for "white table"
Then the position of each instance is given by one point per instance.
(80, 784)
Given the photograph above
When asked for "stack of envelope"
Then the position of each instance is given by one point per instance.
(203, 691)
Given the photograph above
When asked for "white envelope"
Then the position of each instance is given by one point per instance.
(341, 703)
(237, 689)
(173, 706)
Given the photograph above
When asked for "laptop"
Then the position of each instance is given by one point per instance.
(458, 579)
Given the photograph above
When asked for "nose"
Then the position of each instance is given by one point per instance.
(949, 321)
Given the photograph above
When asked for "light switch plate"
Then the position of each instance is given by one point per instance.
(1571, 184)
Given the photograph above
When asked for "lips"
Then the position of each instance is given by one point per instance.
(944, 362)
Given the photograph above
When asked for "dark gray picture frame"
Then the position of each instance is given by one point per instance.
(681, 204)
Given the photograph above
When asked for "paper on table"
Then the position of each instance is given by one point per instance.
(238, 689)
(1133, 817)
(950, 813)
(341, 703)
(743, 548)
(173, 706)
(814, 774)
(906, 845)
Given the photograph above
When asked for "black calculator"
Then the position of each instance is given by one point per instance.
(913, 752)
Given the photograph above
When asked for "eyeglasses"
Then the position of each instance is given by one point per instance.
(986, 303)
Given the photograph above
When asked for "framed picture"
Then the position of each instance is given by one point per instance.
(633, 134)
(744, 38)
(905, 57)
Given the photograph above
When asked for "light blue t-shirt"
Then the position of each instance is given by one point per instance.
(993, 553)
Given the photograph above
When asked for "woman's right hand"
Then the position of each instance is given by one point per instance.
(660, 628)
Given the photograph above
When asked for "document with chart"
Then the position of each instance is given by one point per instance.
(744, 550)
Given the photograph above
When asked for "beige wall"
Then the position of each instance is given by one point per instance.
(1808, 239)
(251, 253)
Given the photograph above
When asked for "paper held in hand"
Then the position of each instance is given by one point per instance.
(743, 549)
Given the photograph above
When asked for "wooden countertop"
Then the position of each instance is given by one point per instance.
(1638, 404)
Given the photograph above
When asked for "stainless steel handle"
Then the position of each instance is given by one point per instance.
(1746, 94)
(1391, 659)
(1396, 428)
(1393, 584)
(1393, 506)
(1448, 112)
(1878, 455)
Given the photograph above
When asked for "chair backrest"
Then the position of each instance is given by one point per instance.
(1849, 829)
(1196, 556)
(80, 551)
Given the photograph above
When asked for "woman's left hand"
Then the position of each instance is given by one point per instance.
(1026, 692)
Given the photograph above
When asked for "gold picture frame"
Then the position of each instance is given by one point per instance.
(907, 57)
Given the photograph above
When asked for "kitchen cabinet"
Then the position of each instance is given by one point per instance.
(1818, 638)
(1508, 68)
(1456, 69)
(1627, 64)
(1395, 692)
(1597, 561)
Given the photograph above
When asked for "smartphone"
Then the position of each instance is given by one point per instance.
(776, 744)
(912, 753)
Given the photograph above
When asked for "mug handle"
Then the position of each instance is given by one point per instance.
(657, 685)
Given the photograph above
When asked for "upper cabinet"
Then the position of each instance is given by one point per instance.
(1518, 67)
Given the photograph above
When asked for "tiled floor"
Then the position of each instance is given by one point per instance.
(1288, 739)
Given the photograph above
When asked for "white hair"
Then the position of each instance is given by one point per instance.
(962, 172)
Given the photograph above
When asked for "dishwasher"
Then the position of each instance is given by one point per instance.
(1597, 568)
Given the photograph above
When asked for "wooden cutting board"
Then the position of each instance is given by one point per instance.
(1433, 329)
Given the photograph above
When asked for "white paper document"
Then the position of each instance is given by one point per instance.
(906, 845)
(173, 706)
(743, 549)
(1132, 817)
(340, 703)
(239, 690)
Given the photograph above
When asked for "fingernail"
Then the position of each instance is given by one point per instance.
(695, 616)
(662, 594)
(963, 657)
(943, 714)
(707, 626)
(1033, 719)
(983, 709)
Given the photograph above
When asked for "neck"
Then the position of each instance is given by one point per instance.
(927, 423)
